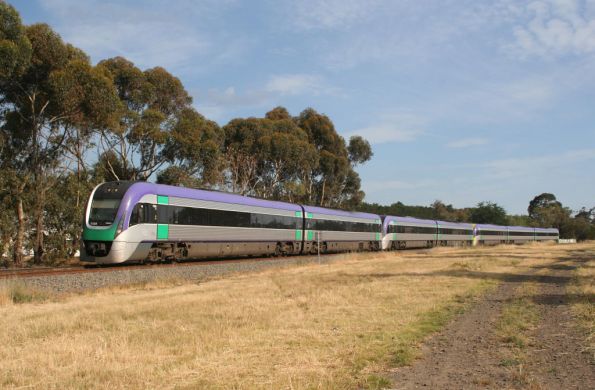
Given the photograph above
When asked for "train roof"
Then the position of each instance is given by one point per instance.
(455, 224)
(521, 228)
(341, 213)
(409, 219)
(139, 189)
(391, 218)
(546, 229)
(488, 226)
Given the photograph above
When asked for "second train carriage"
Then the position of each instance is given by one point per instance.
(487, 234)
(454, 233)
(408, 232)
(338, 230)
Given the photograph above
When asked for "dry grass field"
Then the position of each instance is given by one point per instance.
(336, 325)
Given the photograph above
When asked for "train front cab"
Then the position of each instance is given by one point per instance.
(103, 241)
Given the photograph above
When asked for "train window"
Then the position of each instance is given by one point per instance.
(103, 211)
(460, 232)
(411, 229)
(522, 234)
(341, 226)
(492, 233)
(177, 215)
(143, 213)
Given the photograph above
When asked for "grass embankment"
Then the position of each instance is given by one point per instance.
(313, 326)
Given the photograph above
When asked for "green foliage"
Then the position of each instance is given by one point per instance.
(15, 48)
(359, 150)
(488, 212)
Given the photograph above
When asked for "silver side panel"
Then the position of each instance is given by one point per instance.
(411, 239)
(341, 236)
(518, 239)
(454, 237)
(224, 233)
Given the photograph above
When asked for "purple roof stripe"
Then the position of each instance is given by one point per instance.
(455, 224)
(353, 214)
(521, 228)
(389, 218)
(214, 196)
(489, 226)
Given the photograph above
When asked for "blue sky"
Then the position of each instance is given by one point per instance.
(463, 101)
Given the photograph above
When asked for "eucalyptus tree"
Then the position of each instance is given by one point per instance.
(194, 150)
(48, 88)
(334, 182)
(286, 152)
(152, 103)
(243, 152)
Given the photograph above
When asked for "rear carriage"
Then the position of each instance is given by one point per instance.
(520, 234)
(549, 234)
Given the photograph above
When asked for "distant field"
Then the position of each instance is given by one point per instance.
(314, 326)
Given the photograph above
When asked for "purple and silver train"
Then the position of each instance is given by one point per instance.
(140, 221)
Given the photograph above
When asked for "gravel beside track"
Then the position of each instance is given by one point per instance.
(97, 278)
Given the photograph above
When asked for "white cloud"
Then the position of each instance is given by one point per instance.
(297, 84)
(216, 102)
(152, 35)
(403, 127)
(467, 142)
(329, 14)
(530, 166)
(554, 27)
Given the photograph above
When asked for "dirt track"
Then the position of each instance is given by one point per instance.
(468, 353)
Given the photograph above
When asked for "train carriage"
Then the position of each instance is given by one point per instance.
(338, 230)
(490, 234)
(549, 234)
(138, 221)
(520, 234)
(454, 233)
(144, 221)
(408, 232)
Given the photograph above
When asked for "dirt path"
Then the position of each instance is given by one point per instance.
(467, 354)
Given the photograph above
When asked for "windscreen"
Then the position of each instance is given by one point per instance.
(103, 211)
(106, 201)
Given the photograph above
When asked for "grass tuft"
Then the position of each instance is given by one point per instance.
(15, 292)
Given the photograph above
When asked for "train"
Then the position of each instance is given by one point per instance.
(138, 221)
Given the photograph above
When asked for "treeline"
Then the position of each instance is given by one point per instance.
(67, 125)
(543, 211)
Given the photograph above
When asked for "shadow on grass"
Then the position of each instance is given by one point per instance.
(499, 276)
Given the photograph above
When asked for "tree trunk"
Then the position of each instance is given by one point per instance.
(39, 251)
(18, 243)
